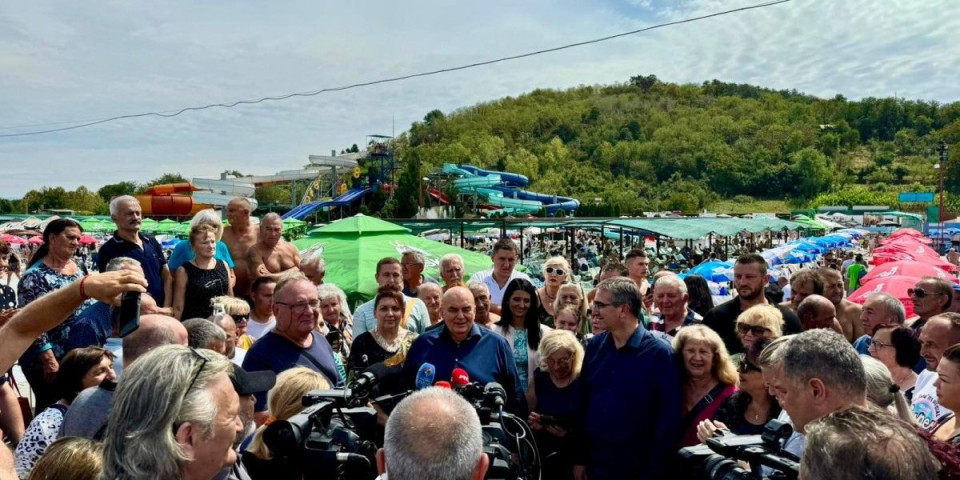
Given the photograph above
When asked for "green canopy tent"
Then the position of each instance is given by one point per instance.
(167, 226)
(351, 248)
(149, 225)
(810, 224)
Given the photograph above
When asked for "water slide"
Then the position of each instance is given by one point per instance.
(499, 189)
(351, 196)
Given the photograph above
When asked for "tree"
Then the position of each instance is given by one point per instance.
(408, 195)
(812, 173)
(84, 201)
(108, 192)
(165, 179)
(45, 198)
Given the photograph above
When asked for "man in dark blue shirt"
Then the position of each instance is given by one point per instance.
(461, 343)
(633, 397)
(127, 241)
(295, 341)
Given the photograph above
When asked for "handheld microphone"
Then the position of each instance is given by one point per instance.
(460, 378)
(363, 383)
(425, 376)
(443, 384)
(496, 394)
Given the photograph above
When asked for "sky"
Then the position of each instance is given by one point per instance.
(63, 63)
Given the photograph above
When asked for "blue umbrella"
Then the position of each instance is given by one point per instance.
(714, 271)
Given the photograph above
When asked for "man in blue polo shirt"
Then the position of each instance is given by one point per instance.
(127, 241)
(631, 383)
(461, 343)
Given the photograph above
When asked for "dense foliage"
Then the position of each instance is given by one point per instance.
(649, 145)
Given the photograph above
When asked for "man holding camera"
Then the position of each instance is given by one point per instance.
(433, 433)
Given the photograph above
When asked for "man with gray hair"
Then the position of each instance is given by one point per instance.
(412, 263)
(451, 269)
(940, 333)
(879, 309)
(272, 256)
(816, 311)
(239, 236)
(129, 241)
(175, 415)
(433, 434)
(866, 443)
(202, 333)
(313, 266)
(671, 298)
(820, 372)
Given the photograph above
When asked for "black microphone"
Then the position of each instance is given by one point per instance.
(495, 393)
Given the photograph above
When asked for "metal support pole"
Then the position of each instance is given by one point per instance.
(942, 148)
(621, 244)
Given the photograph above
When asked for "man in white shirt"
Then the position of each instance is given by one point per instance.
(415, 314)
(504, 256)
(940, 333)
(261, 318)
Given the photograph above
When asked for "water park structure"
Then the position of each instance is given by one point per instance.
(500, 190)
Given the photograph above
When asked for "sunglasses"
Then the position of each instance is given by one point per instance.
(203, 363)
(756, 330)
(558, 271)
(920, 293)
(746, 366)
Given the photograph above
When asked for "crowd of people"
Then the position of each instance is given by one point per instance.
(235, 328)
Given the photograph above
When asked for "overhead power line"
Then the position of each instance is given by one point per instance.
(174, 113)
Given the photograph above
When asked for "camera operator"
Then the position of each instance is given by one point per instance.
(433, 434)
(865, 443)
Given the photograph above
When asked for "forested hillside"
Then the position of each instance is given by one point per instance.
(649, 145)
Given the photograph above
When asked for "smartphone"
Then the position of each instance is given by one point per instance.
(547, 420)
(129, 320)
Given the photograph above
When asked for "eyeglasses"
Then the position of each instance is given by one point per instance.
(746, 366)
(756, 330)
(879, 344)
(203, 363)
(558, 271)
(560, 361)
(598, 305)
(300, 307)
(920, 293)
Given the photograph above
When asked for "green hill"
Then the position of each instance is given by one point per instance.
(650, 145)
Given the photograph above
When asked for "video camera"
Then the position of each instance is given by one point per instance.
(717, 460)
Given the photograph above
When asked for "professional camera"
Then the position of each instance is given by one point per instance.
(513, 454)
(717, 460)
(331, 437)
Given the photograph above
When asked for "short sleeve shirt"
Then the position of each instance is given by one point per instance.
(150, 256)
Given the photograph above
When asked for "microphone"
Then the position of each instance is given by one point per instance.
(425, 376)
(459, 378)
(375, 373)
(495, 393)
(443, 384)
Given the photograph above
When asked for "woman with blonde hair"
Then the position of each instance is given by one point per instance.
(555, 397)
(284, 401)
(709, 377)
(239, 310)
(70, 458)
(183, 253)
(759, 321)
(556, 272)
(199, 280)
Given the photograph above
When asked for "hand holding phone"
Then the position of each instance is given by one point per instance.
(129, 318)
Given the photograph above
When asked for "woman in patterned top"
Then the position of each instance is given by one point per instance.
(81, 368)
(521, 328)
(51, 268)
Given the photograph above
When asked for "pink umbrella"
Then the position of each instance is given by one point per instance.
(38, 240)
(896, 286)
(12, 239)
(908, 268)
(908, 232)
(87, 240)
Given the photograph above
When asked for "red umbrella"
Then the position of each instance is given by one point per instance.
(12, 239)
(907, 232)
(896, 286)
(908, 268)
(87, 240)
(38, 240)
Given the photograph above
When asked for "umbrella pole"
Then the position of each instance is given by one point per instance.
(621, 244)
(521, 247)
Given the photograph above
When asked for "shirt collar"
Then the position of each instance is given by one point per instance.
(474, 332)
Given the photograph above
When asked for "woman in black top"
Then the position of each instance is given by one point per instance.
(200, 279)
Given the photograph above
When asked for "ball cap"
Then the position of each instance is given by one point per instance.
(247, 383)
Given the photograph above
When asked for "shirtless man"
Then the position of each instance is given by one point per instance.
(271, 256)
(848, 313)
(239, 236)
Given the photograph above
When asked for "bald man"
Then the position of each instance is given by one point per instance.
(461, 343)
(272, 256)
(239, 236)
(817, 311)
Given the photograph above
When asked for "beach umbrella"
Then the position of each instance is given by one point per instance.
(14, 240)
(351, 248)
(714, 271)
(908, 268)
(87, 240)
(38, 240)
(896, 286)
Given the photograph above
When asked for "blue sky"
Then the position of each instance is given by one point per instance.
(67, 61)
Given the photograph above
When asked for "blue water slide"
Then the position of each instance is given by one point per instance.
(351, 196)
(508, 179)
(550, 203)
(499, 188)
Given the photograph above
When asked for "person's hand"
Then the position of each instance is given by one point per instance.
(580, 472)
(106, 286)
(707, 428)
(557, 431)
(148, 306)
(50, 366)
(6, 314)
(534, 421)
(262, 271)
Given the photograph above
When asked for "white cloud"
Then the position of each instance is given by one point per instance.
(64, 62)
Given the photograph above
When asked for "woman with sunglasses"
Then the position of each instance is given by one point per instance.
(556, 272)
(757, 322)
(521, 328)
(897, 347)
(751, 407)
